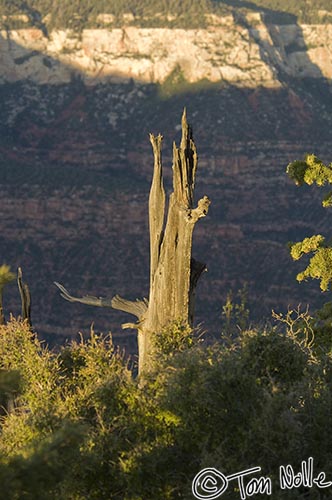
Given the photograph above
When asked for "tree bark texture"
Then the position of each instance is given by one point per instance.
(173, 272)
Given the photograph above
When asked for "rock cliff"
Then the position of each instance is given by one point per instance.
(246, 53)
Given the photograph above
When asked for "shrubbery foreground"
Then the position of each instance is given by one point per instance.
(76, 424)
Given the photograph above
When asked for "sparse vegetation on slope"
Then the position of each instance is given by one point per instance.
(78, 14)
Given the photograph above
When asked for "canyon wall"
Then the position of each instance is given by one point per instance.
(249, 53)
(75, 160)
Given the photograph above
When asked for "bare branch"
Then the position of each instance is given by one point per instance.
(200, 211)
(137, 308)
(133, 326)
(87, 299)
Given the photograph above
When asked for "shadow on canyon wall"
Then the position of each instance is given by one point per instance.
(75, 172)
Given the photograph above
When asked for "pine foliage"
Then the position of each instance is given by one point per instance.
(313, 171)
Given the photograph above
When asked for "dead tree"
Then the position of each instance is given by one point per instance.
(6, 276)
(25, 298)
(173, 271)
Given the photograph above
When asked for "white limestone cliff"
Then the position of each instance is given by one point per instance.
(246, 55)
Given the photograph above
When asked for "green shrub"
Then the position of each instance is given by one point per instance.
(79, 427)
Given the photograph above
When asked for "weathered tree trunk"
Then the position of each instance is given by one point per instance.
(173, 271)
(2, 316)
(25, 298)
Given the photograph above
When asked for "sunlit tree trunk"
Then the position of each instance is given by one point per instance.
(173, 271)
